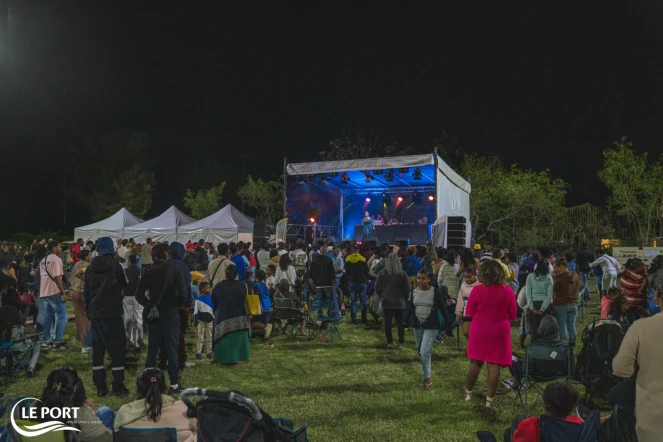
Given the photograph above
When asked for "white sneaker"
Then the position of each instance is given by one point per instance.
(189, 364)
(86, 349)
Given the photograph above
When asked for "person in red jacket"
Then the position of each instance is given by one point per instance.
(559, 401)
(76, 250)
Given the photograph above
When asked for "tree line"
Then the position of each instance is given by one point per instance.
(509, 204)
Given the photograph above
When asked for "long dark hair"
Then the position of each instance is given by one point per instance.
(284, 262)
(467, 257)
(542, 268)
(231, 272)
(59, 391)
(161, 252)
(150, 385)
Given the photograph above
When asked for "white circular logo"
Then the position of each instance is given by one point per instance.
(38, 429)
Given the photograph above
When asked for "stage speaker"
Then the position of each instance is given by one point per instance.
(456, 232)
(402, 243)
(261, 230)
(371, 241)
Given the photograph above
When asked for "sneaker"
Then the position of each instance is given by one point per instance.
(390, 346)
(122, 391)
(102, 393)
(189, 364)
(509, 383)
(401, 346)
(86, 349)
(58, 347)
(583, 412)
(210, 355)
(177, 389)
(269, 345)
(199, 356)
(45, 345)
(268, 331)
(468, 395)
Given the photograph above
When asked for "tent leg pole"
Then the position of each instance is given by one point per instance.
(285, 183)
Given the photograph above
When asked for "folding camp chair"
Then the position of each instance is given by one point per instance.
(16, 351)
(287, 316)
(147, 435)
(540, 354)
(328, 328)
(452, 341)
(557, 430)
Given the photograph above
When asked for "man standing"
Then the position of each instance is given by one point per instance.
(324, 278)
(168, 292)
(104, 281)
(76, 250)
(52, 297)
(146, 254)
(583, 261)
(238, 259)
(263, 256)
(339, 265)
(202, 260)
(176, 254)
(357, 271)
(487, 253)
(122, 251)
(217, 268)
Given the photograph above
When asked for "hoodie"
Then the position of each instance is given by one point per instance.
(176, 254)
(356, 269)
(463, 296)
(566, 289)
(104, 281)
(549, 337)
(411, 265)
(163, 277)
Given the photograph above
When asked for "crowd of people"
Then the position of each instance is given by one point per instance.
(122, 289)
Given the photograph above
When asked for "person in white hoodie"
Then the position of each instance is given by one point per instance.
(469, 282)
(610, 268)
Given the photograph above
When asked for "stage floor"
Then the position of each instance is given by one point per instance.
(417, 234)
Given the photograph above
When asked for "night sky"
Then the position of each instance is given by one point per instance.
(544, 87)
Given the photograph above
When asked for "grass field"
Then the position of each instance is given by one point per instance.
(346, 391)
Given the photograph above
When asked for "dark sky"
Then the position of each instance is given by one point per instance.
(547, 88)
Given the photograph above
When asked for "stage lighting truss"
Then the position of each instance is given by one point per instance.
(403, 170)
(389, 177)
(416, 197)
(416, 175)
(344, 178)
(333, 174)
(386, 199)
(377, 172)
(323, 178)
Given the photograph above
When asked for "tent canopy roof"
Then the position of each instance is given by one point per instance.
(171, 218)
(121, 219)
(227, 217)
(356, 170)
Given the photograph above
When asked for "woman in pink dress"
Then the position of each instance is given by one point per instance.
(492, 305)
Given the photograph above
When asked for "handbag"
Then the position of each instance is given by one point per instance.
(25, 298)
(151, 314)
(253, 303)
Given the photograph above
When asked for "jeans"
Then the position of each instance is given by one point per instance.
(389, 314)
(584, 279)
(88, 339)
(566, 318)
(424, 340)
(327, 294)
(55, 309)
(25, 311)
(106, 416)
(166, 330)
(357, 290)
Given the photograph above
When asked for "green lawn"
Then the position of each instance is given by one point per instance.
(347, 391)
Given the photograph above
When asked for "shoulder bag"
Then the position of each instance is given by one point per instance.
(151, 315)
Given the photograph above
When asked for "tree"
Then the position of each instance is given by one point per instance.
(510, 201)
(354, 144)
(449, 149)
(204, 202)
(112, 171)
(634, 183)
(266, 197)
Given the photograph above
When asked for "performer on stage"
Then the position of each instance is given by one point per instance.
(379, 217)
(368, 226)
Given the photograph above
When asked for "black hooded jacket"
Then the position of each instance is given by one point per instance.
(104, 281)
(162, 277)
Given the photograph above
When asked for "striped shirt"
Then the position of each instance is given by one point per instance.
(632, 284)
(486, 257)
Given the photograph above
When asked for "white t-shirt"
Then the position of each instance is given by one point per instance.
(263, 258)
(290, 275)
(47, 286)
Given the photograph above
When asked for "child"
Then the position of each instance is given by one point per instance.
(262, 322)
(607, 301)
(204, 316)
(618, 311)
(270, 273)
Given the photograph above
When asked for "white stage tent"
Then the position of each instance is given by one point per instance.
(162, 228)
(227, 225)
(113, 226)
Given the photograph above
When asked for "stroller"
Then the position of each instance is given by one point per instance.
(231, 416)
(601, 341)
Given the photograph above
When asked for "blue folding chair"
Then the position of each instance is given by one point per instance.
(541, 354)
(557, 430)
(16, 350)
(329, 327)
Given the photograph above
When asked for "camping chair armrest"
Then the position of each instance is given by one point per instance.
(231, 396)
(31, 337)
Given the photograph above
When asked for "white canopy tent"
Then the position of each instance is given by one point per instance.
(227, 225)
(113, 226)
(162, 228)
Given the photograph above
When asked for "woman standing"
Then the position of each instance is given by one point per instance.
(468, 261)
(231, 319)
(393, 287)
(82, 325)
(286, 271)
(368, 226)
(411, 264)
(640, 353)
(566, 286)
(425, 303)
(448, 277)
(437, 262)
(539, 291)
(492, 305)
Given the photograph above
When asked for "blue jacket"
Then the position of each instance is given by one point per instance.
(241, 266)
(411, 265)
(176, 255)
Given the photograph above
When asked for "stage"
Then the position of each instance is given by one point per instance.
(417, 234)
